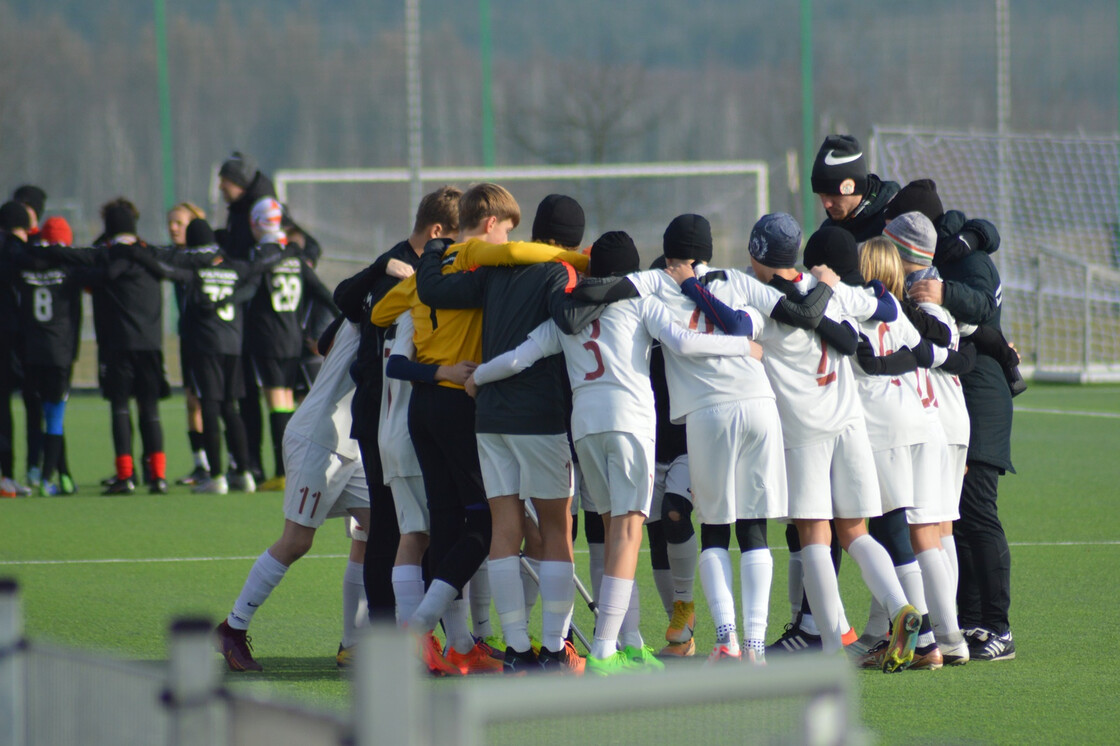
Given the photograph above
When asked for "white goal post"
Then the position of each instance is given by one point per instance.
(1054, 199)
(640, 198)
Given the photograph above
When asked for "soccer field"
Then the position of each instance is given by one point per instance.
(110, 573)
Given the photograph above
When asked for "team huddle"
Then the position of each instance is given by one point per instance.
(478, 393)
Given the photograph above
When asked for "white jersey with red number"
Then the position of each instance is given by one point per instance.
(944, 387)
(815, 386)
(398, 457)
(324, 417)
(700, 382)
(891, 406)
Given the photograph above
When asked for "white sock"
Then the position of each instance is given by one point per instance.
(715, 579)
(756, 572)
(479, 595)
(794, 587)
(808, 624)
(613, 605)
(949, 544)
(910, 578)
(597, 552)
(630, 632)
(663, 581)
(266, 574)
(354, 607)
(878, 624)
(823, 592)
(509, 601)
(408, 588)
(200, 460)
(683, 559)
(942, 605)
(558, 588)
(432, 606)
(878, 573)
(530, 588)
(455, 625)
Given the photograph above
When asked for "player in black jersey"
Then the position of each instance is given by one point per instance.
(50, 318)
(128, 323)
(273, 337)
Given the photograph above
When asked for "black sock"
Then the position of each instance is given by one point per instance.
(278, 422)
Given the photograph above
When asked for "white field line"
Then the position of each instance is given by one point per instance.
(1071, 413)
(156, 560)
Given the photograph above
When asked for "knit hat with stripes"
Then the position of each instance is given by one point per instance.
(914, 236)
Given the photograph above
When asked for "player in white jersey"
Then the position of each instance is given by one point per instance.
(829, 464)
(324, 480)
(613, 427)
(914, 239)
(735, 455)
(401, 471)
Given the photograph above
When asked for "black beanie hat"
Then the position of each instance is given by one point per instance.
(688, 237)
(199, 233)
(239, 169)
(836, 248)
(33, 197)
(613, 253)
(559, 218)
(919, 195)
(118, 219)
(775, 240)
(840, 167)
(14, 215)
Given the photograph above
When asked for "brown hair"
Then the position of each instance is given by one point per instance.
(120, 203)
(440, 206)
(878, 260)
(485, 200)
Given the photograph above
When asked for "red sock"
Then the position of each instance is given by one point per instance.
(157, 462)
(124, 467)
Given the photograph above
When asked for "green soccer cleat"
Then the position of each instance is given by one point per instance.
(904, 638)
(619, 663)
(643, 658)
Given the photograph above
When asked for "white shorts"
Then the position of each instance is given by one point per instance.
(834, 478)
(411, 503)
(537, 466)
(736, 461)
(320, 484)
(618, 468)
(952, 480)
(930, 464)
(581, 498)
(669, 477)
(895, 469)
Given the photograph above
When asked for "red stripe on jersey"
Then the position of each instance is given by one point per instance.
(573, 278)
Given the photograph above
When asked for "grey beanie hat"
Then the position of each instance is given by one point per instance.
(775, 240)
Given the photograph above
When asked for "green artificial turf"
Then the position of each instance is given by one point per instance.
(110, 573)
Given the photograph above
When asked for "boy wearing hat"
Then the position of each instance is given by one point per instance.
(853, 198)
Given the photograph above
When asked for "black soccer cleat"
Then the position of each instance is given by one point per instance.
(120, 487)
(157, 486)
(794, 640)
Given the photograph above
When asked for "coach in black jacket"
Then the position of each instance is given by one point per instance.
(970, 289)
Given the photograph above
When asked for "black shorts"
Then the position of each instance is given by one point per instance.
(128, 373)
(274, 373)
(308, 370)
(11, 373)
(214, 377)
(50, 382)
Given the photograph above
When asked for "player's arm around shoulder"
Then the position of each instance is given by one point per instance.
(402, 297)
(451, 290)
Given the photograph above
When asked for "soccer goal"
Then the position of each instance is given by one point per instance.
(1055, 202)
(356, 212)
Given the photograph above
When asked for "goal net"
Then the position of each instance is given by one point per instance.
(1055, 206)
(358, 213)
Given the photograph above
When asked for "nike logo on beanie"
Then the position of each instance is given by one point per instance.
(831, 159)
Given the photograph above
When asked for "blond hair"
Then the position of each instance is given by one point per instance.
(482, 201)
(878, 260)
(196, 212)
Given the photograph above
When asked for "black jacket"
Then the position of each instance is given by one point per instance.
(974, 294)
(868, 220)
(237, 238)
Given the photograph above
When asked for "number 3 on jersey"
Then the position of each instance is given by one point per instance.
(592, 346)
